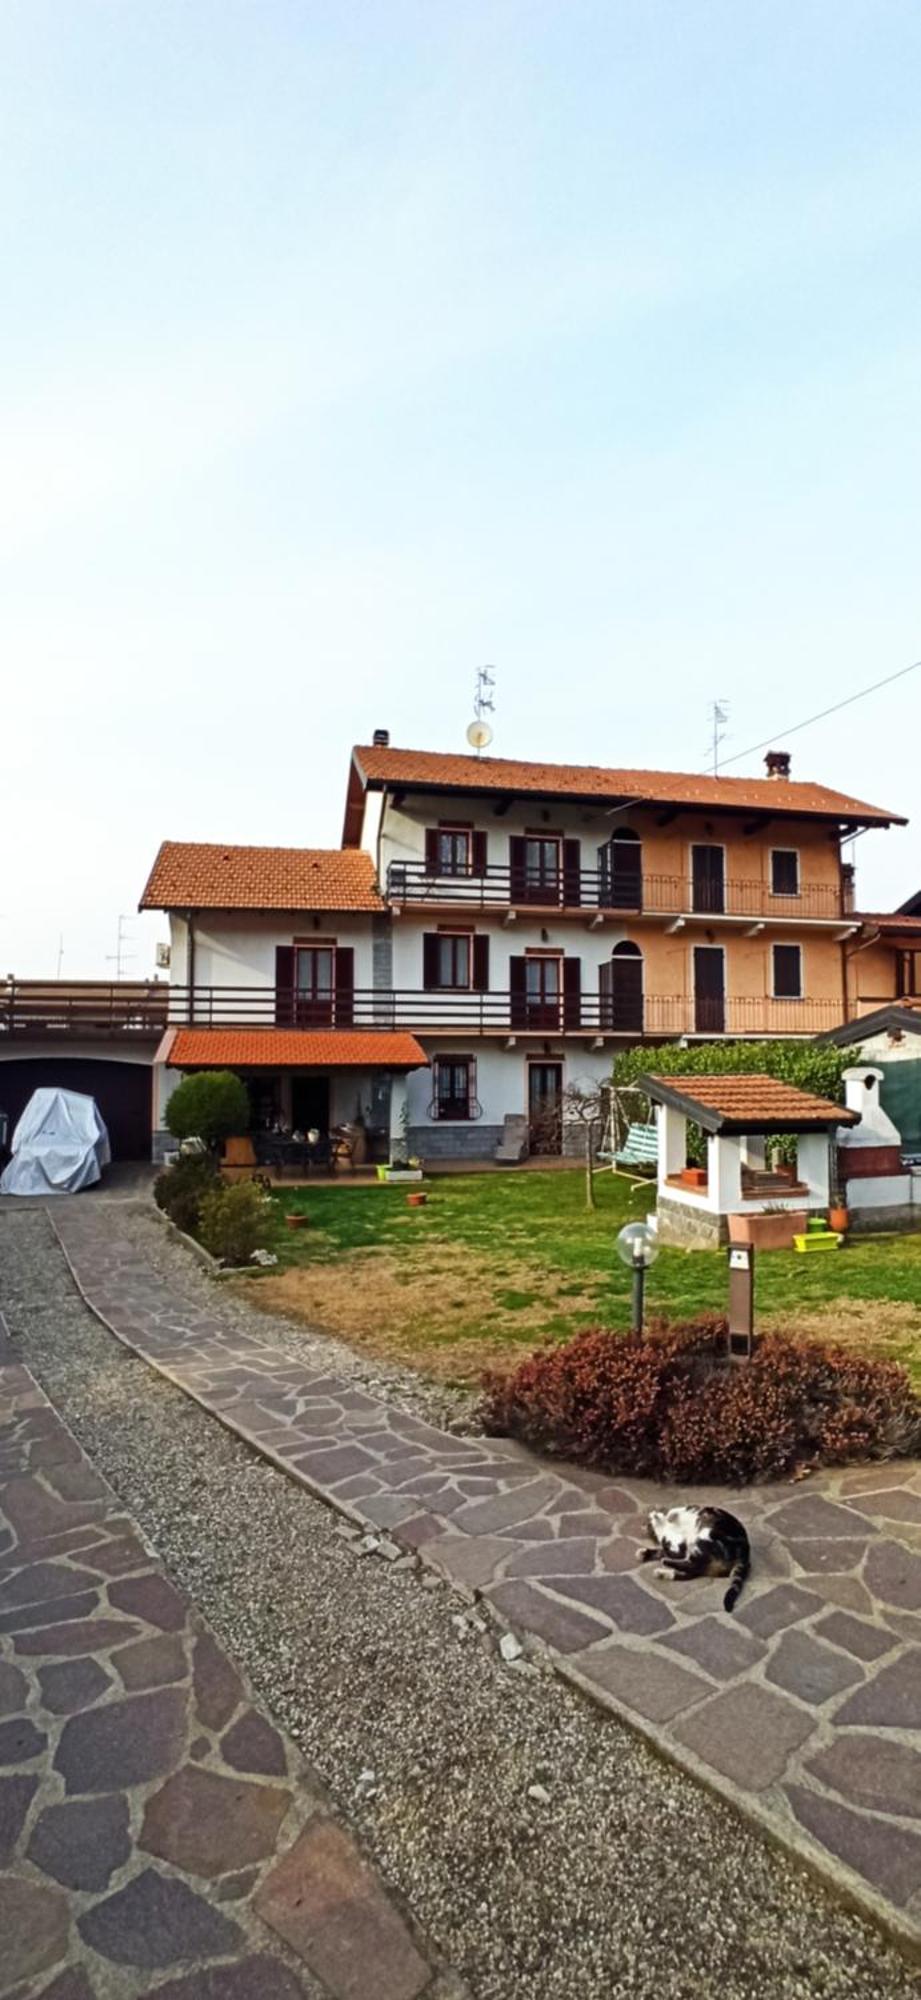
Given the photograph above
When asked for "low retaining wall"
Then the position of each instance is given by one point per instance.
(690, 1228)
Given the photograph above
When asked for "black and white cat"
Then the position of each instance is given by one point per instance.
(700, 1541)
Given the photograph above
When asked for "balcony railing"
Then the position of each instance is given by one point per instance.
(466, 1012)
(629, 892)
(83, 1007)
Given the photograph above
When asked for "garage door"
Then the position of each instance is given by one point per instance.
(122, 1091)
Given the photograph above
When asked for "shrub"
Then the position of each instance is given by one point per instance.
(235, 1222)
(812, 1066)
(670, 1407)
(181, 1189)
(211, 1105)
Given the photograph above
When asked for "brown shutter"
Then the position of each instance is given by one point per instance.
(431, 850)
(472, 1106)
(284, 985)
(345, 986)
(605, 996)
(572, 873)
(481, 964)
(517, 865)
(572, 992)
(478, 854)
(430, 943)
(518, 992)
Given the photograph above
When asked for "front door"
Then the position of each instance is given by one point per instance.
(310, 1104)
(708, 880)
(545, 1107)
(709, 990)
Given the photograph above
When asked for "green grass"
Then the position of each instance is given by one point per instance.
(539, 1265)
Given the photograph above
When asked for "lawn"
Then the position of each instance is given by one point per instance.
(496, 1263)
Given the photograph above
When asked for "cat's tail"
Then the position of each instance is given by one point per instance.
(737, 1576)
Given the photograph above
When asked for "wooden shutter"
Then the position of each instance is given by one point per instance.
(345, 986)
(572, 873)
(430, 970)
(605, 994)
(431, 850)
(284, 985)
(572, 992)
(471, 1087)
(478, 854)
(481, 964)
(518, 992)
(517, 866)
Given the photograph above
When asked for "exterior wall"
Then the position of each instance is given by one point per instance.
(238, 949)
(97, 1048)
(871, 977)
(501, 1087)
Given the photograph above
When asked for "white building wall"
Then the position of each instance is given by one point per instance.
(501, 1088)
(402, 832)
(506, 941)
(240, 950)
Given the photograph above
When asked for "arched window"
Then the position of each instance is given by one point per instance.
(620, 865)
(621, 989)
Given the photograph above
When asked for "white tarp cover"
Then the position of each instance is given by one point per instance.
(59, 1146)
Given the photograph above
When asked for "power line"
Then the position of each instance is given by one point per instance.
(848, 701)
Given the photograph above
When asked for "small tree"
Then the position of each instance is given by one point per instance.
(211, 1105)
(583, 1102)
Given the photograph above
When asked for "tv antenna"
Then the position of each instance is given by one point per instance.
(719, 716)
(479, 733)
(120, 956)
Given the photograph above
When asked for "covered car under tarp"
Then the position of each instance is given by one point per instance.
(60, 1145)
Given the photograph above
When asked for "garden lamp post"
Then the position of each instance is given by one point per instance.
(637, 1248)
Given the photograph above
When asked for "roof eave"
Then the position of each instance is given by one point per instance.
(602, 800)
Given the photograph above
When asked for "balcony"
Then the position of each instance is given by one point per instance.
(463, 1012)
(84, 1008)
(629, 894)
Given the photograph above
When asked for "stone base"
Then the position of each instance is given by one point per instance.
(904, 1216)
(690, 1228)
(161, 1143)
(453, 1142)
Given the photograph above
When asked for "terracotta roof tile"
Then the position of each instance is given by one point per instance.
(201, 875)
(261, 1048)
(434, 768)
(732, 1100)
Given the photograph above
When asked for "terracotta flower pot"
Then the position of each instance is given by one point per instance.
(767, 1232)
(839, 1220)
(298, 1220)
(416, 1200)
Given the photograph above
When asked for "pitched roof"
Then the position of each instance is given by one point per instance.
(378, 767)
(896, 1017)
(745, 1103)
(200, 875)
(891, 920)
(282, 1048)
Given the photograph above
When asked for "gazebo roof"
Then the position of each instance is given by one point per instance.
(746, 1104)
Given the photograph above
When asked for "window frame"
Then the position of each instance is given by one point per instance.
(787, 894)
(455, 938)
(447, 831)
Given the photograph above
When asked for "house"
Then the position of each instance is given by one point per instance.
(490, 930)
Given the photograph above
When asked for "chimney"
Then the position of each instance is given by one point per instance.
(777, 763)
(847, 887)
(381, 739)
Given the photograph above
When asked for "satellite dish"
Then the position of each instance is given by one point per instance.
(479, 734)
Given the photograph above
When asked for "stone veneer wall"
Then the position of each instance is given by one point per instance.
(454, 1142)
(690, 1228)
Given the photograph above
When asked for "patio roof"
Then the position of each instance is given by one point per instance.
(292, 1048)
(746, 1104)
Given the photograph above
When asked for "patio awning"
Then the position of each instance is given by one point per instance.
(292, 1048)
(750, 1105)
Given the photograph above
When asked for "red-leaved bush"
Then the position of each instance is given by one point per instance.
(671, 1407)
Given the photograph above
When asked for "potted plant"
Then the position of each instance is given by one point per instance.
(769, 1228)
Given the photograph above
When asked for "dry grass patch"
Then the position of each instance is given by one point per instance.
(434, 1312)
(884, 1327)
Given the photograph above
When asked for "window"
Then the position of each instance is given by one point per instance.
(784, 871)
(315, 983)
(788, 971)
(542, 866)
(542, 989)
(453, 961)
(455, 1088)
(453, 850)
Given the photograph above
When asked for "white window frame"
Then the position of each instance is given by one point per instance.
(787, 894)
(779, 945)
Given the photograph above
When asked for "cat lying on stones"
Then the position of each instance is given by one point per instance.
(700, 1541)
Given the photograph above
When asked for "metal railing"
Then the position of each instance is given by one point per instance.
(86, 1007)
(501, 887)
(445, 1009)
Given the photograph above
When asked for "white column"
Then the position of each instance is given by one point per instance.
(399, 1142)
(673, 1141)
(724, 1172)
(753, 1152)
(812, 1165)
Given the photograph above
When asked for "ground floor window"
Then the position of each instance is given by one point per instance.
(454, 1088)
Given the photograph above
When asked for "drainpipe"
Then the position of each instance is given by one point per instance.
(190, 964)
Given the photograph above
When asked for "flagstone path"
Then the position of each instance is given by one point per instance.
(803, 1707)
(158, 1835)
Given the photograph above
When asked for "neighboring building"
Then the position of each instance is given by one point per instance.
(95, 1036)
(491, 931)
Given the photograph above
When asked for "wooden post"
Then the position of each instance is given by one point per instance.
(741, 1301)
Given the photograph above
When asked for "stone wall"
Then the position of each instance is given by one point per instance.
(690, 1228)
(454, 1142)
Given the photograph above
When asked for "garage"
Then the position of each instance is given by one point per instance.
(122, 1091)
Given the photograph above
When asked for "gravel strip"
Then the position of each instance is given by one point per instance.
(619, 1878)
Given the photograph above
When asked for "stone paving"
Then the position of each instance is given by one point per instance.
(803, 1707)
(158, 1835)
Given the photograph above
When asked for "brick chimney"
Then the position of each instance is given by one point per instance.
(777, 763)
(381, 739)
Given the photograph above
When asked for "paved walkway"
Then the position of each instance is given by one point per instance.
(157, 1834)
(803, 1708)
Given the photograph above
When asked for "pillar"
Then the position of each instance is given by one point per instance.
(724, 1172)
(399, 1138)
(673, 1142)
(812, 1165)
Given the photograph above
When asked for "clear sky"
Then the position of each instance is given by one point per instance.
(346, 347)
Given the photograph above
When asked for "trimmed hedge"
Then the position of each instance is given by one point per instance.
(809, 1065)
(670, 1407)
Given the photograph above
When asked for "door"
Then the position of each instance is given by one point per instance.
(310, 1104)
(122, 1091)
(545, 1107)
(709, 990)
(620, 865)
(314, 1001)
(542, 987)
(535, 864)
(622, 990)
(708, 880)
